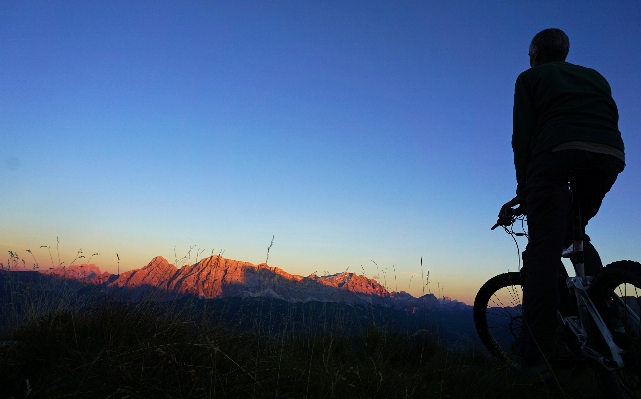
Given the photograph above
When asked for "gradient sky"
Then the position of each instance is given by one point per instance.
(353, 131)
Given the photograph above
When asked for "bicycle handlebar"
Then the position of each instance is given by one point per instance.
(507, 219)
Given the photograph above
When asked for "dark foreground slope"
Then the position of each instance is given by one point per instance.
(143, 350)
(65, 338)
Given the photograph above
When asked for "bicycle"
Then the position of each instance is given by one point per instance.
(601, 323)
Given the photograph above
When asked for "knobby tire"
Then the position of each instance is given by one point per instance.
(497, 314)
(617, 294)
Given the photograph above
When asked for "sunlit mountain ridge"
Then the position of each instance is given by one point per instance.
(217, 277)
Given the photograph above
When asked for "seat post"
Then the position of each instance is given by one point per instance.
(578, 258)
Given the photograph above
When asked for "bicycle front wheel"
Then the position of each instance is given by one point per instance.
(617, 293)
(498, 315)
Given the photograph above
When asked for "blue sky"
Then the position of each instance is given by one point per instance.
(352, 131)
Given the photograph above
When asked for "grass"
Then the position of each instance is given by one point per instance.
(73, 342)
(122, 350)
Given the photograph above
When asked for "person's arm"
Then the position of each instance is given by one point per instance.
(524, 122)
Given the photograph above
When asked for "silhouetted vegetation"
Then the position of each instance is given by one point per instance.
(88, 345)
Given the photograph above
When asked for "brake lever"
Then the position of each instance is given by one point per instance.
(508, 220)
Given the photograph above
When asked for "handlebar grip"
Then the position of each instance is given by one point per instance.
(506, 220)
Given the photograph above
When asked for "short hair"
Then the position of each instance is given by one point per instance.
(552, 45)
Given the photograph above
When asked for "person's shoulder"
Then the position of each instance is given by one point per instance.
(557, 69)
(589, 74)
(575, 69)
(539, 70)
(525, 76)
(572, 67)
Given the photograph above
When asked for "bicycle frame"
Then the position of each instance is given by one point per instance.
(587, 311)
(577, 326)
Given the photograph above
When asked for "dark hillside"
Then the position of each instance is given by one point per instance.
(142, 350)
(71, 339)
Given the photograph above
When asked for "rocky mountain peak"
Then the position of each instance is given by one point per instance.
(215, 277)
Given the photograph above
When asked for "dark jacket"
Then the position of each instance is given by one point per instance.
(558, 102)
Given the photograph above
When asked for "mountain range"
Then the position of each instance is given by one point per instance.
(216, 277)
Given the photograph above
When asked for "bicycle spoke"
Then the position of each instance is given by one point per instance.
(503, 317)
(498, 314)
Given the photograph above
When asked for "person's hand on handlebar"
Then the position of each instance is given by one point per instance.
(506, 211)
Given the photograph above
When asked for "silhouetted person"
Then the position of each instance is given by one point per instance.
(564, 119)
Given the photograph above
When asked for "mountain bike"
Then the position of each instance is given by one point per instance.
(599, 316)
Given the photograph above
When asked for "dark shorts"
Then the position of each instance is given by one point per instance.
(548, 207)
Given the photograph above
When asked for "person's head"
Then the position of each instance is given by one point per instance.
(549, 45)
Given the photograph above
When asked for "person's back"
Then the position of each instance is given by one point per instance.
(558, 102)
(565, 120)
(572, 103)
